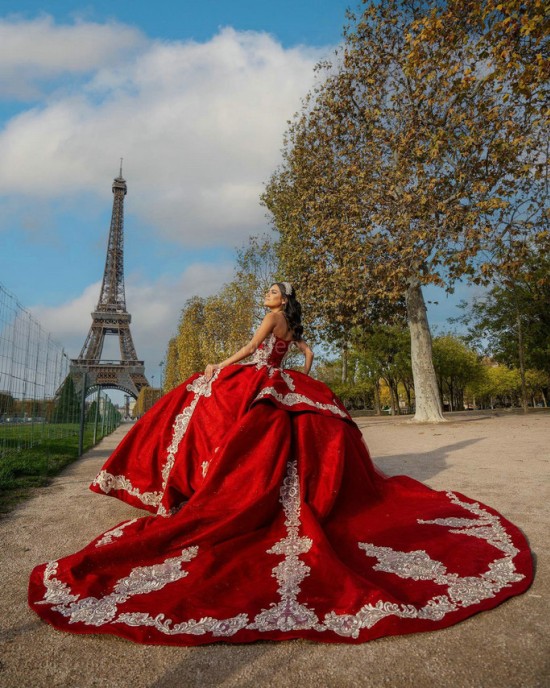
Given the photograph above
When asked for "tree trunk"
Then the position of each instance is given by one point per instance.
(377, 409)
(395, 397)
(345, 363)
(426, 392)
(521, 356)
(409, 400)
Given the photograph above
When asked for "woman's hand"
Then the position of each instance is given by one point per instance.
(210, 370)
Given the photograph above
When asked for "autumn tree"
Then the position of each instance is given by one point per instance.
(172, 371)
(190, 355)
(418, 158)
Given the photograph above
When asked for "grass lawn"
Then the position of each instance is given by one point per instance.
(23, 468)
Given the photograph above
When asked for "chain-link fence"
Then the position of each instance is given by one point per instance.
(39, 406)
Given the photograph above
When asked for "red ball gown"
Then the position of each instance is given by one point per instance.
(270, 522)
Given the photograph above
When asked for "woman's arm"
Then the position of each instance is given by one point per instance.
(268, 323)
(308, 353)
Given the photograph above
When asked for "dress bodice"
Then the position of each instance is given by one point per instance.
(272, 352)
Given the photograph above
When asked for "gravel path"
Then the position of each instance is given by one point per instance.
(501, 459)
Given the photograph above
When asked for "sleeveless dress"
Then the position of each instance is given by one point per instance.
(269, 521)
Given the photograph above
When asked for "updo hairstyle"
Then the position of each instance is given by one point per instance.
(292, 311)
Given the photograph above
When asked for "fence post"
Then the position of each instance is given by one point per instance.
(96, 414)
(82, 415)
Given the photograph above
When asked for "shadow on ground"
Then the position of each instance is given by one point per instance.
(421, 466)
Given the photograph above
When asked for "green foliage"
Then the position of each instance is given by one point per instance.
(7, 404)
(30, 467)
(457, 366)
(92, 411)
(512, 320)
(67, 405)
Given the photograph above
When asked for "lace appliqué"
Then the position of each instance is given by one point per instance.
(107, 482)
(97, 611)
(291, 399)
(289, 614)
(261, 356)
(201, 388)
(462, 591)
(218, 627)
(114, 533)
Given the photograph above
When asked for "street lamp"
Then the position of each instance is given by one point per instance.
(161, 366)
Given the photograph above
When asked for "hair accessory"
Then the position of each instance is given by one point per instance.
(288, 288)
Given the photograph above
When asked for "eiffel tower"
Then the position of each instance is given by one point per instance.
(111, 318)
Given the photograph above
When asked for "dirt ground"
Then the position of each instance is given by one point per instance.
(501, 459)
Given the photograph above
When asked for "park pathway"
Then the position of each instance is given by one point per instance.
(501, 459)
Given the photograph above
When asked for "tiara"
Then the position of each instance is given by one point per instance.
(288, 288)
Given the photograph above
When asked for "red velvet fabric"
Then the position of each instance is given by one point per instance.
(271, 522)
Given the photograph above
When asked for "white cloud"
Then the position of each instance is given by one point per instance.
(36, 50)
(155, 308)
(200, 126)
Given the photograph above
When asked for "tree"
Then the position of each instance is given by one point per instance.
(147, 397)
(386, 353)
(497, 385)
(7, 403)
(456, 366)
(511, 321)
(417, 160)
(67, 405)
(93, 410)
(189, 353)
(172, 373)
(257, 267)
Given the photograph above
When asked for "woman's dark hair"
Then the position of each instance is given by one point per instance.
(292, 311)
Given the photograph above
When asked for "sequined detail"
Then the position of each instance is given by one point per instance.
(114, 533)
(97, 611)
(107, 482)
(291, 399)
(289, 614)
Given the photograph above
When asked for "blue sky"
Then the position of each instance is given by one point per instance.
(195, 96)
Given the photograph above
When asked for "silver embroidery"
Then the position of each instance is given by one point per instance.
(288, 380)
(57, 592)
(114, 533)
(291, 399)
(107, 482)
(462, 591)
(97, 611)
(201, 388)
(218, 627)
(485, 526)
(261, 356)
(289, 614)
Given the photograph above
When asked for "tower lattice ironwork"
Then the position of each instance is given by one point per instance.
(111, 318)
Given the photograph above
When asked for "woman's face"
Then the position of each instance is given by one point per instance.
(274, 299)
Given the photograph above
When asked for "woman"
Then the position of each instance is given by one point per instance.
(271, 521)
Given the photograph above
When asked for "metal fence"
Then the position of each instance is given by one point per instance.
(38, 401)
